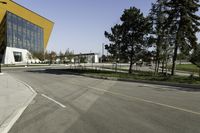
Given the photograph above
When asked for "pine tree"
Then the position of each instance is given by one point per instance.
(127, 40)
(182, 18)
(115, 38)
(195, 57)
(136, 27)
(158, 18)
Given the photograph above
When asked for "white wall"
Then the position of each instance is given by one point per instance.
(9, 56)
(96, 59)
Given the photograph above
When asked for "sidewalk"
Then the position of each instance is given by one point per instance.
(14, 98)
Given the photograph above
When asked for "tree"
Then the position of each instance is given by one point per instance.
(61, 56)
(195, 57)
(69, 55)
(135, 30)
(182, 18)
(47, 55)
(128, 40)
(53, 56)
(38, 55)
(181, 56)
(158, 18)
(115, 38)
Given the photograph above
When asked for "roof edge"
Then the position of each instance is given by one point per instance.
(32, 11)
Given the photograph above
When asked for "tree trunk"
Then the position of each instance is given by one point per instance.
(157, 64)
(131, 64)
(157, 56)
(163, 65)
(157, 71)
(157, 67)
(131, 61)
(130, 67)
(174, 59)
(116, 67)
(166, 65)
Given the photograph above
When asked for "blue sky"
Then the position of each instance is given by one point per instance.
(80, 24)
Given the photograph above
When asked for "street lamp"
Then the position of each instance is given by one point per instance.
(1, 2)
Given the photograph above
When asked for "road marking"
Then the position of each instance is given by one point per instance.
(147, 101)
(145, 85)
(8, 124)
(51, 99)
(27, 85)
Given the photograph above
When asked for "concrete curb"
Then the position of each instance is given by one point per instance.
(182, 86)
(187, 87)
(7, 125)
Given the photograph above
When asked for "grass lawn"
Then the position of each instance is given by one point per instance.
(138, 75)
(187, 67)
(181, 67)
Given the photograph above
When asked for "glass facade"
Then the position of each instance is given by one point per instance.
(24, 34)
(2, 37)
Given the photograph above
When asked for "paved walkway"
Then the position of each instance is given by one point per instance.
(14, 98)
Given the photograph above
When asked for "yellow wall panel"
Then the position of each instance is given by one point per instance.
(25, 13)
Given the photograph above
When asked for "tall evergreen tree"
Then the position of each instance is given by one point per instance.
(158, 18)
(135, 30)
(115, 38)
(182, 18)
(195, 57)
(127, 41)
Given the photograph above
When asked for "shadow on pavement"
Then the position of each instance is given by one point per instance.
(51, 71)
(81, 72)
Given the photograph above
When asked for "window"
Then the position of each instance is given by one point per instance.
(17, 56)
(24, 34)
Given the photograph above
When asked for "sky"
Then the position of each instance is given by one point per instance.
(80, 24)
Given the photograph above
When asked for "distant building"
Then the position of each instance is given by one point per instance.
(86, 58)
(22, 32)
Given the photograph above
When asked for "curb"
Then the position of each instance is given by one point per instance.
(11, 120)
(186, 87)
(182, 86)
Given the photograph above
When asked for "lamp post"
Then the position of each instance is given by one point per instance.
(1, 2)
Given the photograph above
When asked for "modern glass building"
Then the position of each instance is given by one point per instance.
(22, 32)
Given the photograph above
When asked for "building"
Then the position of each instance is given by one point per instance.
(22, 32)
(86, 58)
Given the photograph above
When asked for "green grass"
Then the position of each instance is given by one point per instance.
(139, 75)
(187, 67)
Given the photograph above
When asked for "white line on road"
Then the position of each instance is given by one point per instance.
(27, 85)
(147, 101)
(51, 99)
(5, 128)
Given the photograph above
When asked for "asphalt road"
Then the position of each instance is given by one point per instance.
(75, 104)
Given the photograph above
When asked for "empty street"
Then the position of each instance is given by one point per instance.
(67, 103)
